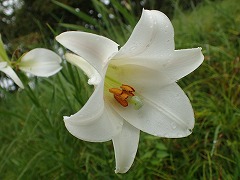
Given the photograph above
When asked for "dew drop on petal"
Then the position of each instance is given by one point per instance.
(173, 125)
(179, 135)
(133, 155)
(125, 169)
(117, 170)
(177, 96)
(132, 48)
(166, 135)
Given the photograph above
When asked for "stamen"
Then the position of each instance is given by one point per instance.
(115, 91)
(127, 88)
(129, 93)
(126, 93)
(124, 96)
(119, 99)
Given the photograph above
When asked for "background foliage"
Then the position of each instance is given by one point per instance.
(34, 141)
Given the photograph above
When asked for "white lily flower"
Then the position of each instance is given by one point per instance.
(40, 62)
(5, 65)
(135, 87)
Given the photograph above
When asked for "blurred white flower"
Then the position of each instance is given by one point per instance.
(5, 65)
(135, 87)
(40, 62)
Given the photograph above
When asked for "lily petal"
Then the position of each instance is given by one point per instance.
(140, 77)
(103, 127)
(177, 65)
(96, 121)
(165, 113)
(153, 36)
(96, 50)
(91, 72)
(40, 62)
(183, 62)
(11, 73)
(3, 65)
(125, 147)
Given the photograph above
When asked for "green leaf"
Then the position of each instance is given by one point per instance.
(79, 14)
(76, 27)
(3, 53)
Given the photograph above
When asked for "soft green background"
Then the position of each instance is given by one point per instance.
(36, 145)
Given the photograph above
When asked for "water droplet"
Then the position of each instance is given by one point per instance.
(125, 169)
(111, 16)
(177, 95)
(117, 170)
(132, 48)
(133, 155)
(166, 135)
(174, 126)
(179, 135)
(99, 15)
(165, 65)
(106, 2)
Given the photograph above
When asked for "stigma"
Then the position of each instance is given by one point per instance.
(125, 95)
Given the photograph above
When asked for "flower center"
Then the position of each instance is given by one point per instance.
(126, 94)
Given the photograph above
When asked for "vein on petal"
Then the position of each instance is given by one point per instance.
(165, 111)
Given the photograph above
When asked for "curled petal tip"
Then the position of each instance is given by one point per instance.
(121, 170)
(89, 70)
(11, 73)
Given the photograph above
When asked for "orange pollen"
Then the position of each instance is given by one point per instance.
(127, 88)
(123, 102)
(116, 91)
(122, 94)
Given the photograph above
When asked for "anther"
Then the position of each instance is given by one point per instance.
(115, 91)
(126, 93)
(119, 99)
(124, 96)
(127, 88)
